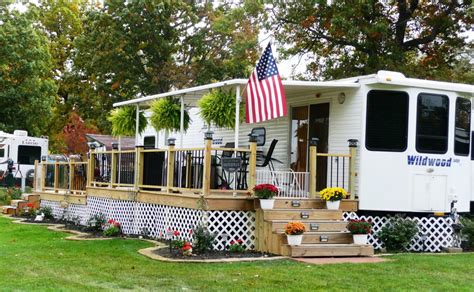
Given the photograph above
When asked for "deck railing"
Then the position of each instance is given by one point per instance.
(59, 176)
(202, 170)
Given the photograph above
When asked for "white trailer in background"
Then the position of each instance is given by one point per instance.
(22, 151)
(414, 136)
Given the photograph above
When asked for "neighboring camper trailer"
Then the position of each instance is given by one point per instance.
(414, 137)
(18, 153)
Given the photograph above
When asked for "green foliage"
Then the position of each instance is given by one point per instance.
(14, 193)
(236, 246)
(349, 38)
(112, 231)
(27, 89)
(203, 239)
(218, 108)
(96, 222)
(166, 114)
(468, 231)
(124, 119)
(47, 212)
(397, 233)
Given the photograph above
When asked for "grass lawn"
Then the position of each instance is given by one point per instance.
(34, 258)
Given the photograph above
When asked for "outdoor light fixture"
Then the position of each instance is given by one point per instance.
(341, 98)
(171, 141)
(92, 145)
(115, 145)
(208, 135)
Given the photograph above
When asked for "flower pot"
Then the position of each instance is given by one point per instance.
(267, 204)
(360, 238)
(294, 239)
(333, 205)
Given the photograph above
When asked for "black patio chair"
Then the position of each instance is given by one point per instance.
(267, 159)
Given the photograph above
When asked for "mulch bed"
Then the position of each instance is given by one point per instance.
(32, 220)
(165, 252)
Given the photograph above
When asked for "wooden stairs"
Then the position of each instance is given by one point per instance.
(16, 206)
(326, 234)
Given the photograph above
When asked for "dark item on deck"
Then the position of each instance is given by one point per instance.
(260, 134)
(153, 165)
(267, 160)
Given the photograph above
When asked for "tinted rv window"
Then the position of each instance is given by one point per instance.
(2, 152)
(387, 121)
(149, 141)
(462, 129)
(432, 121)
(28, 154)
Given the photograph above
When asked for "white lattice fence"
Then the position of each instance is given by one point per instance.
(58, 211)
(80, 212)
(120, 211)
(232, 225)
(437, 230)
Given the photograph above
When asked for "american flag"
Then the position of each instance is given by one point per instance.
(265, 94)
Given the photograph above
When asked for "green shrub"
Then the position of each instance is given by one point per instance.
(112, 228)
(47, 211)
(166, 115)
(203, 239)
(398, 233)
(218, 108)
(14, 193)
(468, 232)
(236, 246)
(96, 222)
(123, 121)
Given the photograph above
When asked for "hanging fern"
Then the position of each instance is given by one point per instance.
(166, 115)
(123, 121)
(218, 108)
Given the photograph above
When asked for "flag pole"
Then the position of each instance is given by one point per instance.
(237, 116)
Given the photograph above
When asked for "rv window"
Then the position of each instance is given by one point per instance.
(387, 121)
(28, 154)
(149, 141)
(432, 121)
(2, 152)
(462, 128)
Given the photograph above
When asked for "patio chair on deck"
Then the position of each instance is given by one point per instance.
(267, 160)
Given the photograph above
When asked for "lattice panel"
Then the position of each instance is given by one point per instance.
(232, 225)
(58, 211)
(78, 211)
(438, 232)
(120, 211)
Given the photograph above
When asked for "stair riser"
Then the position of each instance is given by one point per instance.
(312, 204)
(302, 251)
(296, 215)
(316, 238)
(322, 226)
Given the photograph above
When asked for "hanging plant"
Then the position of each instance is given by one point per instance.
(218, 108)
(166, 115)
(123, 121)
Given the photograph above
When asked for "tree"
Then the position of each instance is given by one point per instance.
(345, 38)
(138, 48)
(27, 89)
(74, 135)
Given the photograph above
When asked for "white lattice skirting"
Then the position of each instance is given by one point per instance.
(154, 220)
(437, 230)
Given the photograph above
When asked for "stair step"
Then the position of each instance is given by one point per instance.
(346, 205)
(31, 198)
(330, 250)
(324, 238)
(312, 225)
(8, 210)
(15, 203)
(291, 214)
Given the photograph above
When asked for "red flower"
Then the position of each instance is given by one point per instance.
(232, 242)
(30, 205)
(190, 231)
(186, 246)
(111, 221)
(176, 233)
(239, 241)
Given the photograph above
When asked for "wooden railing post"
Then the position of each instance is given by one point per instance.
(71, 176)
(56, 176)
(313, 156)
(352, 172)
(113, 167)
(206, 181)
(91, 167)
(43, 173)
(252, 163)
(35, 176)
(139, 168)
(170, 174)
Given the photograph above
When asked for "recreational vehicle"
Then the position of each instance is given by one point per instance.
(18, 153)
(411, 139)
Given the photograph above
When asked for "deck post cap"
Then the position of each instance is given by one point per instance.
(313, 142)
(171, 141)
(208, 135)
(253, 138)
(353, 142)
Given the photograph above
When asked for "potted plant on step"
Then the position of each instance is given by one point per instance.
(360, 230)
(294, 232)
(333, 197)
(266, 192)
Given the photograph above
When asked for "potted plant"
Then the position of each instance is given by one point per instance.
(266, 192)
(360, 229)
(294, 232)
(333, 197)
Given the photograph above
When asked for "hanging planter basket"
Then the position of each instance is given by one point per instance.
(166, 115)
(123, 121)
(218, 108)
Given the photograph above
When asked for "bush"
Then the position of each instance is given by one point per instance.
(467, 232)
(112, 228)
(236, 246)
(398, 233)
(96, 222)
(47, 212)
(203, 239)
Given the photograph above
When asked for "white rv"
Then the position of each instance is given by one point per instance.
(22, 150)
(414, 136)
